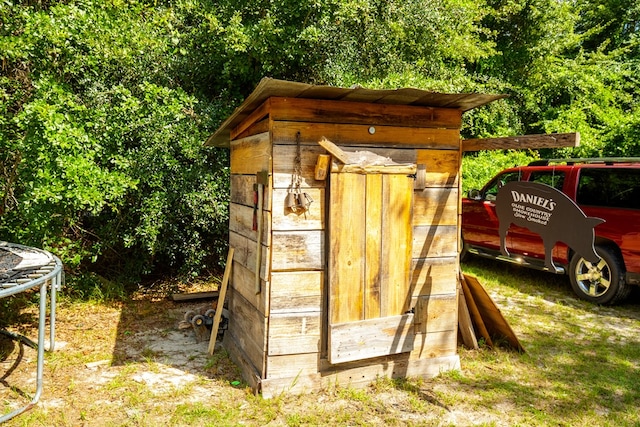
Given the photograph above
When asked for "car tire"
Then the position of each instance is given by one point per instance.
(602, 282)
(464, 253)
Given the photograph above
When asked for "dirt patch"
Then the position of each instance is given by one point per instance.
(106, 357)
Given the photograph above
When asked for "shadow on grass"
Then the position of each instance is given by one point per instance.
(563, 383)
(552, 287)
(582, 360)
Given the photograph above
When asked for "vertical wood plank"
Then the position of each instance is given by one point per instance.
(396, 242)
(347, 247)
(373, 223)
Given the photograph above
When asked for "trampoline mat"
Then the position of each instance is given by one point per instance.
(17, 261)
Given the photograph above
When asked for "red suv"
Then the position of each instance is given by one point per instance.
(607, 188)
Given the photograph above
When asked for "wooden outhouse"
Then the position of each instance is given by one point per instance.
(345, 268)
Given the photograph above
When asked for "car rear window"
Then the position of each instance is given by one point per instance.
(615, 188)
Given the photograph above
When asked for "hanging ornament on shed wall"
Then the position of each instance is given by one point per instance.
(297, 201)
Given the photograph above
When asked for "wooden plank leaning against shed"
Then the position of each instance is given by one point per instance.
(223, 294)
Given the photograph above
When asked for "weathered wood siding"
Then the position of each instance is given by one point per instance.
(297, 265)
(436, 222)
(248, 310)
(282, 334)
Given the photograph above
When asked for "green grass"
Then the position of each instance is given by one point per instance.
(582, 364)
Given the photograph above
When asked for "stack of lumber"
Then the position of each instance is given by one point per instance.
(480, 318)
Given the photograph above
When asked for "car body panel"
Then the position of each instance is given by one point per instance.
(621, 226)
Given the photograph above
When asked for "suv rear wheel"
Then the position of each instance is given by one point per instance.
(601, 282)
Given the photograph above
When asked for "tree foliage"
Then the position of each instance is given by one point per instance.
(105, 104)
(101, 148)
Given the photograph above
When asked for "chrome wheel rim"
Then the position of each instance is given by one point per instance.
(593, 279)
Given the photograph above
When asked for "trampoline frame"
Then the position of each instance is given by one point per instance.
(54, 279)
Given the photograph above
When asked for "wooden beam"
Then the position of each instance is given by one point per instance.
(223, 293)
(335, 151)
(363, 113)
(382, 169)
(551, 140)
(257, 115)
(493, 320)
(194, 296)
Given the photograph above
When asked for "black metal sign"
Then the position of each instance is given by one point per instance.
(549, 213)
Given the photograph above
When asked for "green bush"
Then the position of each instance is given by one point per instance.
(105, 104)
(102, 152)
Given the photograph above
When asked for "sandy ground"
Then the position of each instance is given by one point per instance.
(99, 349)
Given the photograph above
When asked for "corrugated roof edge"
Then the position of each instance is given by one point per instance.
(268, 87)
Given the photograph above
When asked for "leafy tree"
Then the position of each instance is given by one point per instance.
(105, 104)
(608, 25)
(101, 147)
(569, 66)
(480, 167)
(415, 43)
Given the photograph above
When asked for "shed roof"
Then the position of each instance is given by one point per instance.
(269, 87)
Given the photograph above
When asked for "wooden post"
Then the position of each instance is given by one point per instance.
(221, 297)
(421, 177)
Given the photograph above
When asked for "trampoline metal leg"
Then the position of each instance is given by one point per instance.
(41, 333)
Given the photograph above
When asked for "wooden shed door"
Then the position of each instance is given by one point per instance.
(369, 265)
